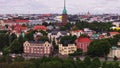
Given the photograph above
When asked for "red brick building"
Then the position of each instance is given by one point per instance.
(64, 15)
(82, 43)
(37, 49)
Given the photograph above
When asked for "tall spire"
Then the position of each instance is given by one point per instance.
(64, 4)
(64, 10)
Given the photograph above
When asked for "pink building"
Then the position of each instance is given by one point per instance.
(37, 49)
(82, 43)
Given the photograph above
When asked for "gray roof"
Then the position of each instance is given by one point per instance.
(37, 42)
(62, 32)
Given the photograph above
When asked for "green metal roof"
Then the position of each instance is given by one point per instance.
(64, 10)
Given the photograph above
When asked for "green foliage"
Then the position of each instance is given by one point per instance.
(96, 62)
(67, 26)
(29, 35)
(55, 62)
(3, 31)
(115, 58)
(19, 59)
(44, 38)
(97, 26)
(87, 60)
(17, 45)
(55, 46)
(14, 47)
(99, 48)
(6, 59)
(4, 41)
(77, 53)
(12, 37)
(83, 35)
(44, 33)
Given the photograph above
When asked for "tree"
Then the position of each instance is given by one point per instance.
(19, 59)
(116, 65)
(21, 40)
(14, 47)
(5, 59)
(17, 45)
(84, 35)
(4, 31)
(99, 48)
(95, 63)
(55, 46)
(78, 52)
(115, 58)
(29, 35)
(4, 41)
(68, 26)
(44, 33)
(104, 65)
(12, 37)
(96, 26)
(44, 38)
(87, 61)
(116, 39)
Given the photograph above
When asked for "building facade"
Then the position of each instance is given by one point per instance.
(82, 43)
(37, 49)
(77, 33)
(66, 50)
(115, 51)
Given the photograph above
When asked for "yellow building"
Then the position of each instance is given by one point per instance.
(66, 50)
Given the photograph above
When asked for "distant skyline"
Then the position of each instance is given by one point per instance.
(56, 6)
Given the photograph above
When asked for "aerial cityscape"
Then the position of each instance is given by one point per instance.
(59, 34)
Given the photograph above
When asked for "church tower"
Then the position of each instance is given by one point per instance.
(64, 14)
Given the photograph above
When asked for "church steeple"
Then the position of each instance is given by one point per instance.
(64, 14)
(64, 10)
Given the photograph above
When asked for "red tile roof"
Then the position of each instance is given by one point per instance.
(83, 39)
(21, 21)
(39, 28)
(78, 31)
(85, 16)
(19, 28)
(114, 33)
(8, 21)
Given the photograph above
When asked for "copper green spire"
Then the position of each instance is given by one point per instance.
(64, 10)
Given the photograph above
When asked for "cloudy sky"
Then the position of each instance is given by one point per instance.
(56, 6)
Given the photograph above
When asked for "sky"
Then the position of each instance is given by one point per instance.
(56, 6)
